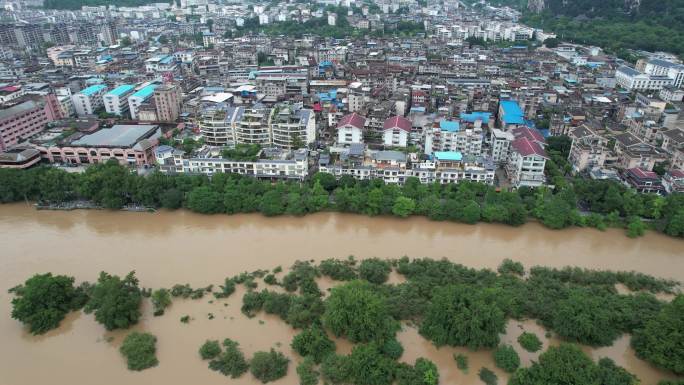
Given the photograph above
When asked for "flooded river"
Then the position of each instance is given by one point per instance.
(181, 247)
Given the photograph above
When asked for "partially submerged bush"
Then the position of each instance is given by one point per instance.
(140, 351)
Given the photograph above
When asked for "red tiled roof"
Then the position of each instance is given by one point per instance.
(525, 147)
(354, 119)
(676, 173)
(639, 173)
(397, 122)
(531, 134)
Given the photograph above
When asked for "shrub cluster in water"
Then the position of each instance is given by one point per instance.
(450, 303)
(140, 350)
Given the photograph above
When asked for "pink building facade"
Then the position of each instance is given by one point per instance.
(140, 155)
(26, 119)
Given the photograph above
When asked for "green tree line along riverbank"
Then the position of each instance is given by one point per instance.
(582, 202)
(450, 304)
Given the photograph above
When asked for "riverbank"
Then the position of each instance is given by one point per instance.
(171, 247)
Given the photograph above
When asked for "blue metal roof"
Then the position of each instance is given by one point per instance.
(512, 114)
(168, 59)
(145, 92)
(448, 155)
(93, 89)
(121, 90)
(477, 115)
(449, 125)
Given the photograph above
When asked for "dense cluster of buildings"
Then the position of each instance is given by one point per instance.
(468, 94)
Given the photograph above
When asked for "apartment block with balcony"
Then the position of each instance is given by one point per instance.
(588, 150)
(89, 100)
(292, 126)
(140, 97)
(116, 100)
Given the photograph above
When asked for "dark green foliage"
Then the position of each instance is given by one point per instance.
(464, 316)
(370, 367)
(392, 349)
(270, 279)
(356, 311)
(611, 374)
(337, 369)
(506, 358)
(268, 366)
(313, 342)
(374, 270)
(306, 370)
(587, 317)
(305, 310)
(140, 350)
(661, 341)
(231, 362)
(405, 301)
(160, 300)
(530, 342)
(183, 291)
(115, 301)
(423, 372)
(337, 269)
(508, 266)
(302, 275)
(252, 302)
(488, 377)
(210, 349)
(44, 300)
(227, 288)
(461, 362)
(567, 364)
(185, 319)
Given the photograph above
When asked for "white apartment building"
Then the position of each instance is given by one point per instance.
(659, 67)
(116, 100)
(450, 136)
(138, 98)
(88, 100)
(350, 129)
(500, 145)
(526, 162)
(290, 123)
(633, 80)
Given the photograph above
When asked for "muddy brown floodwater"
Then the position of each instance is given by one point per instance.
(181, 247)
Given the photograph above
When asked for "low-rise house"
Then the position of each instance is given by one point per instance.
(633, 153)
(395, 131)
(643, 181)
(673, 181)
(350, 129)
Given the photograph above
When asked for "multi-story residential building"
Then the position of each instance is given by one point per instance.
(673, 143)
(128, 144)
(659, 67)
(292, 126)
(271, 163)
(25, 119)
(350, 129)
(116, 100)
(643, 181)
(168, 99)
(393, 167)
(138, 98)
(500, 142)
(633, 80)
(395, 131)
(527, 159)
(88, 100)
(588, 150)
(216, 125)
(673, 181)
(451, 136)
(161, 64)
(634, 153)
(251, 125)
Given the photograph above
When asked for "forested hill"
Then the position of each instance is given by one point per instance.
(614, 24)
(77, 4)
